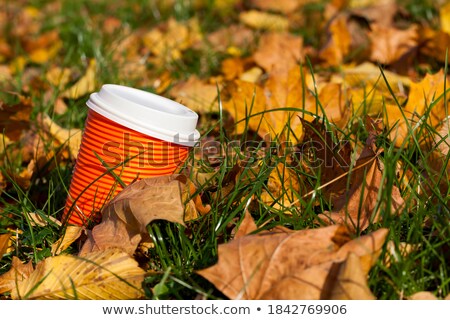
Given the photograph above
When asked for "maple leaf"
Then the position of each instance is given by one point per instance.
(358, 207)
(289, 264)
(390, 44)
(279, 52)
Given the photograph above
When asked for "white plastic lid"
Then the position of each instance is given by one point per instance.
(147, 113)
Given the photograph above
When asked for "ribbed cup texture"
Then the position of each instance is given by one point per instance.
(109, 150)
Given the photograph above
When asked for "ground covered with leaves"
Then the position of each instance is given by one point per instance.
(322, 170)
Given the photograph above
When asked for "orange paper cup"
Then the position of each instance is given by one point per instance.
(129, 135)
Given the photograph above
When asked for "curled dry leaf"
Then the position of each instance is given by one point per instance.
(289, 265)
(196, 94)
(103, 275)
(125, 218)
(71, 234)
(39, 220)
(70, 137)
(18, 273)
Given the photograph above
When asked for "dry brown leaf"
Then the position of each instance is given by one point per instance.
(338, 45)
(264, 20)
(38, 220)
(390, 44)
(196, 94)
(18, 273)
(246, 226)
(357, 208)
(71, 234)
(125, 218)
(85, 85)
(103, 275)
(351, 281)
(286, 265)
(279, 52)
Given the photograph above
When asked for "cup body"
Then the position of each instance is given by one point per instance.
(113, 155)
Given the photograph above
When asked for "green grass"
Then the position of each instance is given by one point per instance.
(180, 250)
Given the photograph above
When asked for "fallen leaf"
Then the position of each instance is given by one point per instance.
(283, 6)
(428, 93)
(18, 273)
(4, 243)
(422, 295)
(103, 275)
(70, 137)
(252, 75)
(279, 52)
(351, 281)
(39, 220)
(286, 265)
(196, 94)
(390, 44)
(71, 234)
(358, 207)
(444, 14)
(264, 20)
(338, 45)
(233, 36)
(435, 43)
(15, 119)
(283, 188)
(170, 39)
(85, 85)
(246, 226)
(125, 218)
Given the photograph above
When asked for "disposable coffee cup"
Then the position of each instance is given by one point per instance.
(129, 135)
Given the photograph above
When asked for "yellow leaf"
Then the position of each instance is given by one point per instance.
(251, 75)
(196, 94)
(43, 55)
(85, 85)
(103, 275)
(264, 20)
(58, 77)
(445, 17)
(71, 234)
(338, 46)
(70, 137)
